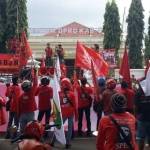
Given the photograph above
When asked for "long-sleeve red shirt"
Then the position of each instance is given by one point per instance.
(13, 92)
(27, 99)
(67, 106)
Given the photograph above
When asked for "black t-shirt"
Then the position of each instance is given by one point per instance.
(142, 104)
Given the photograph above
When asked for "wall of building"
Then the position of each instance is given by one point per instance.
(38, 44)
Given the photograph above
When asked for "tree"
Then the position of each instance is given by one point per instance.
(147, 43)
(135, 31)
(111, 28)
(16, 18)
(2, 25)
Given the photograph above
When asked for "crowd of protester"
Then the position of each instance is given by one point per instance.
(123, 120)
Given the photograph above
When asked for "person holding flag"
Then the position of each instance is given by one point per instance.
(27, 104)
(68, 107)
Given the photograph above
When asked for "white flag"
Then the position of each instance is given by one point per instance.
(59, 132)
(58, 69)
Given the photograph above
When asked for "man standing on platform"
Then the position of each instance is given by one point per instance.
(49, 53)
(60, 53)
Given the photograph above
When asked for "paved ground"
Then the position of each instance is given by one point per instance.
(80, 144)
(77, 144)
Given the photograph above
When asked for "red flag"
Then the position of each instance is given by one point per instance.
(95, 85)
(125, 68)
(25, 45)
(84, 55)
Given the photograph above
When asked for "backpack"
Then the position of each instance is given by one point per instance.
(124, 133)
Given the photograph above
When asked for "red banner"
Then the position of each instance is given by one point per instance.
(9, 63)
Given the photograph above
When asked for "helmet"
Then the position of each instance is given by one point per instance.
(111, 84)
(26, 85)
(45, 80)
(65, 83)
(101, 82)
(118, 102)
(83, 81)
(34, 129)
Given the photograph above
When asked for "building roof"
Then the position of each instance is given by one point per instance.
(74, 29)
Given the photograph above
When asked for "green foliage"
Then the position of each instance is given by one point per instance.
(147, 44)
(2, 25)
(135, 31)
(111, 27)
(16, 18)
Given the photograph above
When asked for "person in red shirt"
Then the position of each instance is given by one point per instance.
(49, 53)
(13, 92)
(96, 48)
(109, 135)
(31, 138)
(68, 107)
(27, 104)
(84, 105)
(45, 95)
(97, 104)
(60, 53)
(129, 94)
(107, 94)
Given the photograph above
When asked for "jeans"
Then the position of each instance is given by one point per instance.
(99, 116)
(69, 132)
(143, 130)
(47, 115)
(80, 118)
(24, 119)
(13, 117)
(70, 127)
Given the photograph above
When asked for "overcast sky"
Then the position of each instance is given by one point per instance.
(56, 13)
